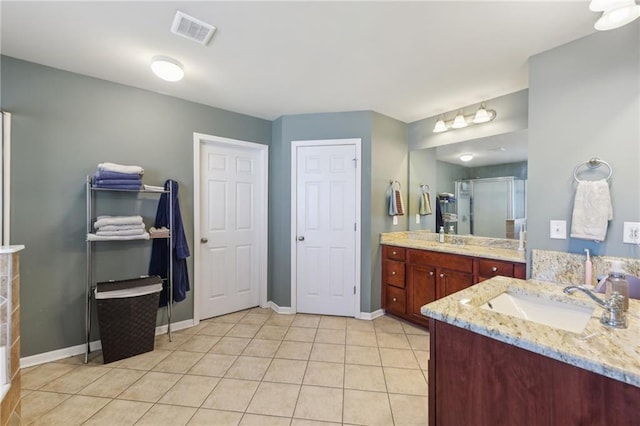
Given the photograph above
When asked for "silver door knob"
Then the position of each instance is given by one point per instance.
(204, 240)
(301, 238)
(494, 269)
(441, 275)
(431, 273)
(393, 273)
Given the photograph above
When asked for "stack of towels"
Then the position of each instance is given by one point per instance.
(118, 176)
(119, 228)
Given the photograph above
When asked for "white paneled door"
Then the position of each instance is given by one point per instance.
(326, 229)
(232, 194)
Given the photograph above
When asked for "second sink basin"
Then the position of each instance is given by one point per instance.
(565, 316)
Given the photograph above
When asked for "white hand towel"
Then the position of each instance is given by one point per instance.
(117, 220)
(592, 210)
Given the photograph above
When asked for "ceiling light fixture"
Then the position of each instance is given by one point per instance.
(615, 13)
(482, 115)
(466, 157)
(167, 69)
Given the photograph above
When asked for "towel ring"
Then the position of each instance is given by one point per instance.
(392, 184)
(593, 163)
(425, 188)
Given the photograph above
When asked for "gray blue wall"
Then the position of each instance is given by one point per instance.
(64, 124)
(389, 161)
(384, 153)
(584, 101)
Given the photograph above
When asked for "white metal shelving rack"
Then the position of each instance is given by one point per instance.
(91, 201)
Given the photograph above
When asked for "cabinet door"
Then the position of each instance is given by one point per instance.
(421, 285)
(452, 281)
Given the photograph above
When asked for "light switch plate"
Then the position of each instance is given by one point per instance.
(631, 233)
(418, 219)
(558, 229)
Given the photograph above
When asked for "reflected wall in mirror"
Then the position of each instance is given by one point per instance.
(485, 196)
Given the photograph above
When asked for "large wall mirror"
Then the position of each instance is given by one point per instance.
(484, 196)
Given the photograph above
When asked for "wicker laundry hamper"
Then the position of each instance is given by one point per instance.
(127, 312)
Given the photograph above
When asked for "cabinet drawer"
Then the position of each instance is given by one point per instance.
(443, 260)
(395, 300)
(393, 253)
(490, 268)
(394, 273)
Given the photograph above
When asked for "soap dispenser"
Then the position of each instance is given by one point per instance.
(441, 235)
(616, 281)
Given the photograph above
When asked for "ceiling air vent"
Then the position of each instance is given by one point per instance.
(192, 28)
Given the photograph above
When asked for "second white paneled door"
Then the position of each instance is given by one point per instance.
(232, 221)
(326, 225)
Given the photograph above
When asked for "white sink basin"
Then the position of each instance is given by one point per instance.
(565, 316)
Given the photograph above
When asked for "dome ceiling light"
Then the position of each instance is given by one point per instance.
(167, 69)
(615, 13)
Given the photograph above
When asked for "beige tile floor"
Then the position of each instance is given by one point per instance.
(253, 367)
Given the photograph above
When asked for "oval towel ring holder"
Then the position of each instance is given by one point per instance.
(593, 163)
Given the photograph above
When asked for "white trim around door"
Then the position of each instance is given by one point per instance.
(263, 150)
(357, 143)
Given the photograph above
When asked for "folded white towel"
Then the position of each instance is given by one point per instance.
(592, 210)
(153, 188)
(117, 220)
(121, 232)
(94, 237)
(120, 168)
(121, 227)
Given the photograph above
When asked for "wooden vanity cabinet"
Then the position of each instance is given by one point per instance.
(393, 280)
(489, 268)
(496, 383)
(412, 278)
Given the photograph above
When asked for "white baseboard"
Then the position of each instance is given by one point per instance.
(286, 310)
(371, 315)
(30, 361)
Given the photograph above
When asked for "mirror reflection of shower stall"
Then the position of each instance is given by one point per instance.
(492, 207)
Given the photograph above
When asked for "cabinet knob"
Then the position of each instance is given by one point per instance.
(431, 273)
(395, 299)
(393, 272)
(394, 253)
(494, 269)
(204, 240)
(301, 238)
(441, 275)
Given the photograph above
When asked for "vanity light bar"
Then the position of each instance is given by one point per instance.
(482, 115)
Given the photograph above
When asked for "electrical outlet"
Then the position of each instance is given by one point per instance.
(631, 233)
(558, 229)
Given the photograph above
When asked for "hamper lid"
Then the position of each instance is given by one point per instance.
(128, 288)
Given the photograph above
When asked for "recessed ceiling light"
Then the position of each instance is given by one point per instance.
(466, 157)
(167, 69)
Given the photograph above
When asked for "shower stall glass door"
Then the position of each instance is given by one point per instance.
(485, 205)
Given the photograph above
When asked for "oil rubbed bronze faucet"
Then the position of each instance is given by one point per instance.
(613, 315)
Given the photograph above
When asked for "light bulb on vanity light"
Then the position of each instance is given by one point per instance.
(440, 126)
(483, 115)
(459, 122)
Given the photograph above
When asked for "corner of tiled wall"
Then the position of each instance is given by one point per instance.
(10, 408)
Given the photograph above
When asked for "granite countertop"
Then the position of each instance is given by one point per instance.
(611, 352)
(490, 248)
